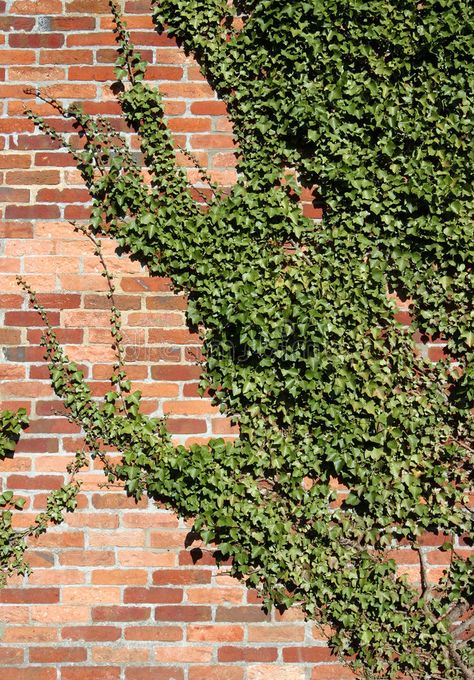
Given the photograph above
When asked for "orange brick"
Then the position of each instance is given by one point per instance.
(219, 672)
(120, 655)
(215, 633)
(187, 654)
(332, 672)
(30, 673)
(272, 672)
(90, 673)
(119, 577)
(57, 654)
(34, 7)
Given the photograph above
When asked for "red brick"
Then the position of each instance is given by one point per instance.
(33, 212)
(152, 595)
(216, 673)
(120, 613)
(74, 24)
(29, 595)
(182, 613)
(307, 654)
(36, 482)
(215, 633)
(186, 425)
(14, 195)
(57, 654)
(249, 613)
(154, 633)
(181, 576)
(29, 319)
(246, 654)
(11, 655)
(54, 158)
(85, 558)
(158, 673)
(90, 673)
(78, 6)
(63, 195)
(332, 672)
(29, 673)
(91, 633)
(36, 40)
(209, 108)
(115, 501)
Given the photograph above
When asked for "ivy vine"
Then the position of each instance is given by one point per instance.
(369, 103)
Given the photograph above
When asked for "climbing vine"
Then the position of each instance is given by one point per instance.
(368, 103)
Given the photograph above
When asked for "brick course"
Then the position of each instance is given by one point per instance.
(114, 594)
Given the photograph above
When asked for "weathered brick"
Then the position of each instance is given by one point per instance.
(120, 613)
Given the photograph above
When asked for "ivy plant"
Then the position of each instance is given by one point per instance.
(368, 104)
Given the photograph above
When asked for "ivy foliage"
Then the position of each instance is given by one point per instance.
(13, 541)
(368, 102)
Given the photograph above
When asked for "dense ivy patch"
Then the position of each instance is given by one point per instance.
(369, 102)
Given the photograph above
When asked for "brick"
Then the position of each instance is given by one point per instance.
(90, 595)
(216, 141)
(14, 195)
(186, 425)
(29, 634)
(272, 672)
(121, 538)
(90, 673)
(182, 613)
(11, 23)
(209, 108)
(216, 673)
(247, 654)
(37, 482)
(115, 501)
(63, 195)
(29, 595)
(276, 633)
(155, 594)
(56, 614)
(29, 673)
(215, 633)
(31, 212)
(66, 57)
(63, 23)
(154, 633)
(239, 614)
(84, 558)
(158, 673)
(36, 40)
(120, 613)
(332, 672)
(91, 633)
(33, 7)
(181, 576)
(35, 74)
(57, 654)
(78, 6)
(119, 655)
(91, 73)
(119, 577)
(11, 655)
(215, 595)
(54, 158)
(16, 230)
(10, 56)
(307, 654)
(187, 654)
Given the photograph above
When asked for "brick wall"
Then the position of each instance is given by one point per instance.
(114, 593)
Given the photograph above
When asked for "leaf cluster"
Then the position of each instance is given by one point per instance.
(368, 102)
